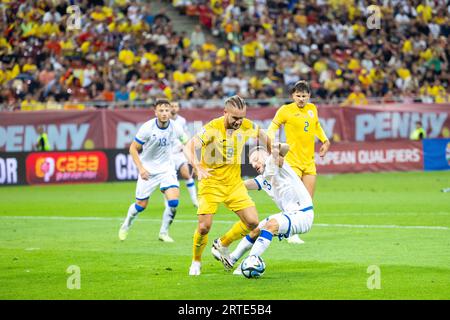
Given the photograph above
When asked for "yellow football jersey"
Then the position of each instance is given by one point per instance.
(222, 150)
(301, 126)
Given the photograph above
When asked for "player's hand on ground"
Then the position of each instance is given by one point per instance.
(145, 175)
(202, 172)
(324, 148)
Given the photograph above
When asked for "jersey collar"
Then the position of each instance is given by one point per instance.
(156, 121)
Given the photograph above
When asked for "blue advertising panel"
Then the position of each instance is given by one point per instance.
(436, 154)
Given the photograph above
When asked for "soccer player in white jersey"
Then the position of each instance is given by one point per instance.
(151, 151)
(180, 161)
(286, 189)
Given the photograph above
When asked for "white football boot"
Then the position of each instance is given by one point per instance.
(195, 268)
(164, 237)
(295, 239)
(222, 254)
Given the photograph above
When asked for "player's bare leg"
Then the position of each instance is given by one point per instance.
(309, 181)
(133, 212)
(190, 183)
(172, 195)
(199, 242)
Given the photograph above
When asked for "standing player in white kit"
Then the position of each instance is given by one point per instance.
(179, 159)
(290, 195)
(155, 139)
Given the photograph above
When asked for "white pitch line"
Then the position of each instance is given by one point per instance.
(375, 226)
(330, 225)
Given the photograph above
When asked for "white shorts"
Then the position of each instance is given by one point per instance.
(291, 223)
(166, 180)
(179, 159)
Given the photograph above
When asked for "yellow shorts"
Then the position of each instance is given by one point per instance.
(235, 197)
(305, 170)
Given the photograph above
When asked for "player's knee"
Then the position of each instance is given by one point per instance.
(173, 203)
(252, 224)
(254, 233)
(140, 206)
(203, 228)
(272, 225)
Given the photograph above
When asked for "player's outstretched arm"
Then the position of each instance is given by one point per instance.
(134, 151)
(284, 149)
(264, 140)
(190, 151)
(323, 138)
(250, 184)
(279, 151)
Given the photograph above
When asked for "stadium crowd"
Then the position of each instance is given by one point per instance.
(123, 52)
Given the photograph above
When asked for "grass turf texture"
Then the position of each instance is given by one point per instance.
(414, 262)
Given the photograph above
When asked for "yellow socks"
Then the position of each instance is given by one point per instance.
(238, 231)
(198, 245)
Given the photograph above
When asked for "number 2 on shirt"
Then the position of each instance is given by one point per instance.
(306, 126)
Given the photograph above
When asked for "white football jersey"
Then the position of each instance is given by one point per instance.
(181, 122)
(284, 187)
(157, 144)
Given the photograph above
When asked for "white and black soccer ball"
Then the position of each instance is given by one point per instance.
(253, 266)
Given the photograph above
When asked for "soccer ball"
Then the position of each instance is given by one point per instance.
(253, 267)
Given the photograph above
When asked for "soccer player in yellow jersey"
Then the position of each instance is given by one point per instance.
(219, 173)
(301, 125)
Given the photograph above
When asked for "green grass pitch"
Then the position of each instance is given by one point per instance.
(398, 222)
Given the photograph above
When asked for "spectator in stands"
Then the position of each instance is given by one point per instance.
(197, 37)
(356, 98)
(121, 95)
(310, 40)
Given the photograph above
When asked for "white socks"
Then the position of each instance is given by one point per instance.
(167, 219)
(244, 245)
(190, 184)
(132, 214)
(262, 243)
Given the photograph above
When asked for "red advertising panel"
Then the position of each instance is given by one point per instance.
(66, 130)
(115, 129)
(371, 156)
(66, 167)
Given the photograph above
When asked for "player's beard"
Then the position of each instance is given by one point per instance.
(233, 126)
(164, 123)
